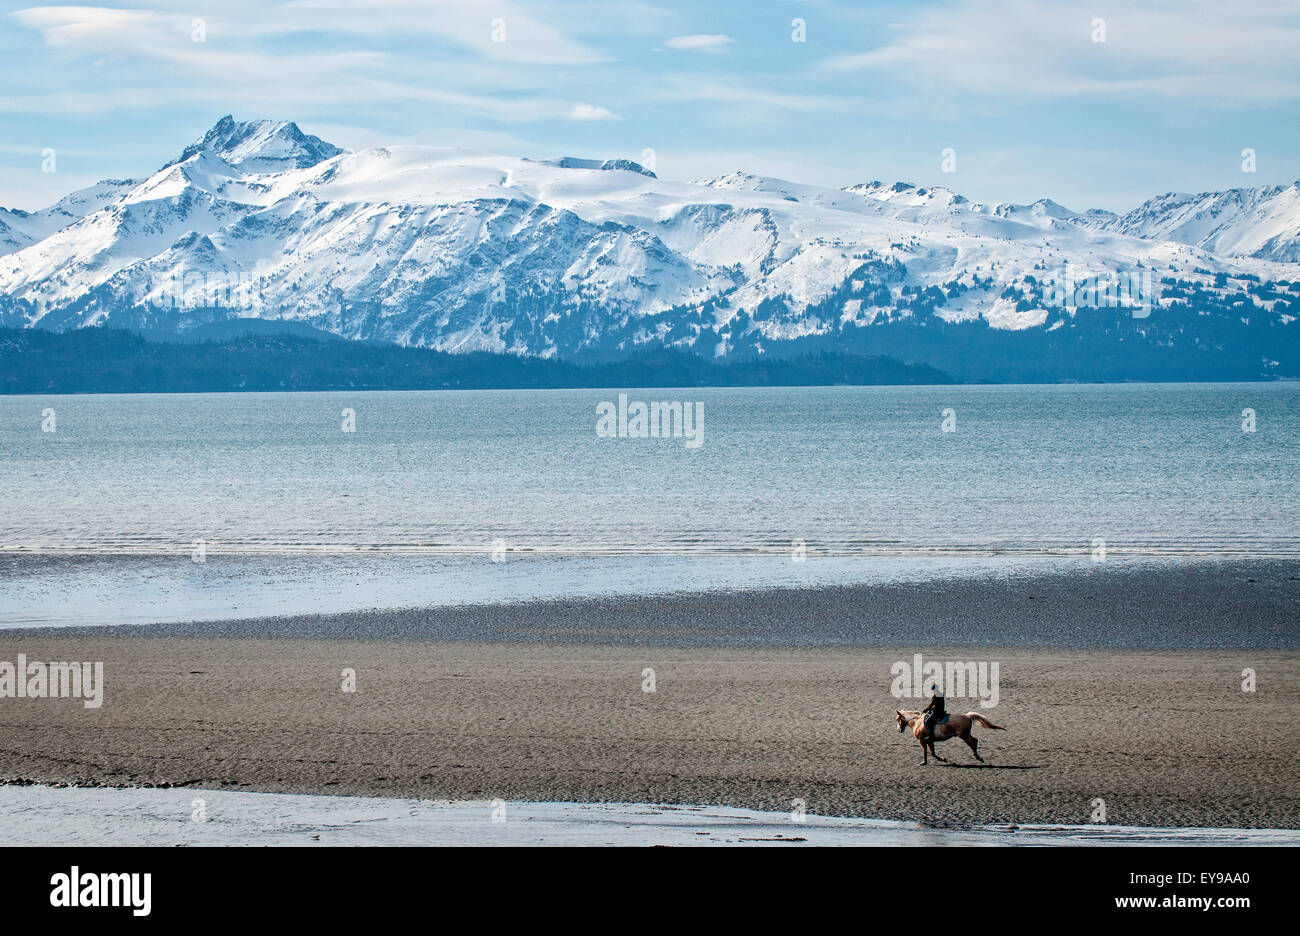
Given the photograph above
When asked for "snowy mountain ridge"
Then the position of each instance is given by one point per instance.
(464, 251)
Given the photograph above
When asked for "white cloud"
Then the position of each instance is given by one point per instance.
(502, 31)
(229, 70)
(591, 112)
(1019, 48)
(700, 42)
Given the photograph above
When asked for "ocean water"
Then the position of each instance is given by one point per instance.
(1151, 469)
(295, 514)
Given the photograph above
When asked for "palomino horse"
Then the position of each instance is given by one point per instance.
(957, 726)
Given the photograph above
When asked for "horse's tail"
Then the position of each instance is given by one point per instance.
(979, 719)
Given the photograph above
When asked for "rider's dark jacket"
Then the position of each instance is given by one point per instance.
(934, 711)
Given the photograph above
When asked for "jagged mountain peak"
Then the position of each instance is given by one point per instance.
(261, 146)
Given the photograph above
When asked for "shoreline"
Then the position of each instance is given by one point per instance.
(1210, 605)
(178, 816)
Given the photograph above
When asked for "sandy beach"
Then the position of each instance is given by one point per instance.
(546, 701)
(1165, 738)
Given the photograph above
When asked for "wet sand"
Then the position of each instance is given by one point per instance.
(1119, 604)
(1166, 738)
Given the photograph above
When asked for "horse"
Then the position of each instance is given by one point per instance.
(957, 726)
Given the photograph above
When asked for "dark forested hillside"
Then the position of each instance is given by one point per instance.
(98, 360)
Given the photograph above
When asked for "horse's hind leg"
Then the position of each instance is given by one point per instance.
(974, 744)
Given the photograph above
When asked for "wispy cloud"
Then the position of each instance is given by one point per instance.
(1191, 49)
(715, 42)
(502, 31)
(217, 61)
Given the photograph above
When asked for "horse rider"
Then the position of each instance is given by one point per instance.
(934, 711)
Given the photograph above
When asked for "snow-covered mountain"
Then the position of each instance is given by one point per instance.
(19, 229)
(260, 146)
(467, 251)
(1242, 222)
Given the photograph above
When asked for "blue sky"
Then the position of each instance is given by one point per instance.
(1031, 104)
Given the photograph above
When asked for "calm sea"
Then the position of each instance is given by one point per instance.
(1149, 468)
(831, 473)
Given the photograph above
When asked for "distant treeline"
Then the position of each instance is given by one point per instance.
(100, 360)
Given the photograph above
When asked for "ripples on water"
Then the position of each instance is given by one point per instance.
(1151, 469)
